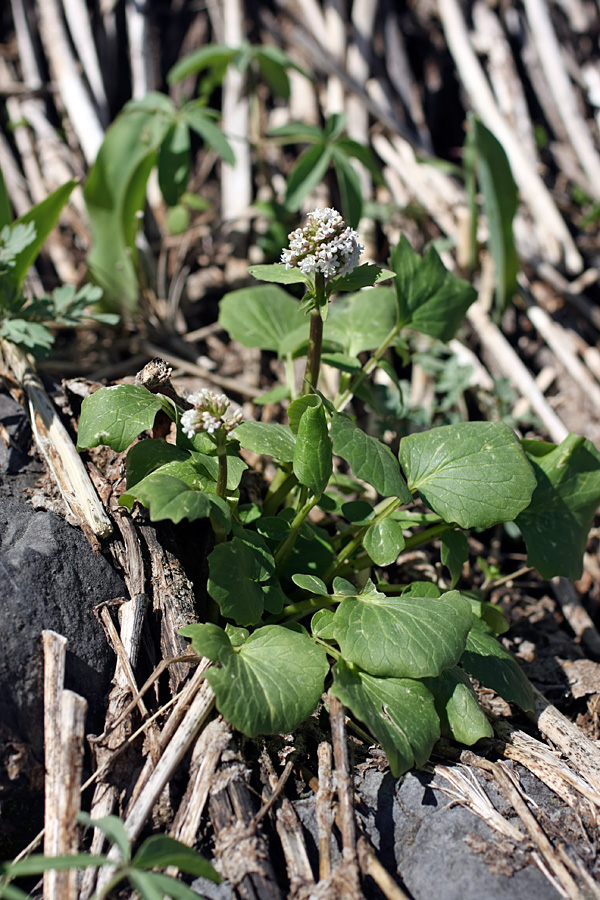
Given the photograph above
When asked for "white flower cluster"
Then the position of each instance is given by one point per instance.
(325, 245)
(207, 414)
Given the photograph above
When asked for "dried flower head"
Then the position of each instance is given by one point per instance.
(207, 414)
(325, 245)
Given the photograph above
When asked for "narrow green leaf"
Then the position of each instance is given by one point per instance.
(306, 175)
(5, 213)
(363, 276)
(167, 886)
(278, 273)
(269, 438)
(501, 201)
(556, 525)
(399, 712)
(472, 473)
(174, 161)
(160, 850)
(417, 637)
(297, 133)
(369, 459)
(272, 683)
(349, 187)
(199, 119)
(37, 863)
(274, 74)
(461, 716)
(145, 884)
(44, 216)
(383, 541)
(486, 659)
(113, 828)
(455, 553)
(260, 316)
(116, 415)
(430, 298)
(312, 454)
(204, 58)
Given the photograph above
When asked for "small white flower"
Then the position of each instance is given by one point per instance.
(325, 245)
(207, 414)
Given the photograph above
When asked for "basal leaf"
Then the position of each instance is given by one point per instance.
(168, 497)
(461, 716)
(269, 438)
(486, 659)
(116, 415)
(237, 570)
(472, 473)
(312, 454)
(362, 321)
(260, 316)
(430, 298)
(147, 456)
(368, 458)
(455, 553)
(383, 541)
(398, 637)
(556, 524)
(188, 470)
(399, 712)
(272, 683)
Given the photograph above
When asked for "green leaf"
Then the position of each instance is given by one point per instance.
(322, 624)
(274, 74)
(145, 885)
(275, 395)
(115, 193)
(272, 528)
(113, 829)
(362, 321)
(383, 541)
(201, 121)
(279, 274)
(368, 458)
(473, 473)
(261, 317)
(5, 213)
(455, 553)
(44, 217)
(116, 415)
(147, 456)
(461, 716)
(312, 454)
(168, 497)
(492, 615)
(33, 336)
(272, 683)
(311, 583)
(37, 863)
(417, 637)
(363, 276)
(430, 298)
(555, 526)
(163, 886)
(486, 659)
(297, 408)
(174, 160)
(210, 641)
(160, 850)
(399, 712)
(349, 187)
(307, 174)
(500, 201)
(271, 439)
(237, 569)
(204, 58)
(297, 133)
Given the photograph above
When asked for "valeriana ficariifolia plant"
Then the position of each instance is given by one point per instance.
(301, 602)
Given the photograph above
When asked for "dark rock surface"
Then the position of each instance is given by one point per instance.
(51, 579)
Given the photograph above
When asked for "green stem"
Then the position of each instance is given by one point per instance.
(289, 376)
(285, 547)
(302, 608)
(222, 474)
(352, 546)
(280, 487)
(315, 340)
(416, 540)
(346, 395)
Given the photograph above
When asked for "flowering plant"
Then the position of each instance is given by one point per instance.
(304, 583)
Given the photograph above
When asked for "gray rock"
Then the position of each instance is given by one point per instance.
(51, 579)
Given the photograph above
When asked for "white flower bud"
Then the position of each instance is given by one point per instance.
(325, 245)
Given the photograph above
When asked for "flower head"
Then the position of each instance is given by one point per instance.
(207, 414)
(325, 245)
